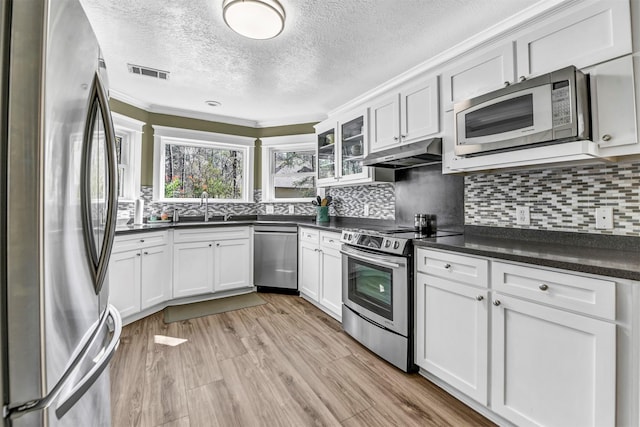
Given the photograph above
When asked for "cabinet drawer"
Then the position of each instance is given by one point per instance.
(127, 242)
(460, 268)
(565, 290)
(206, 234)
(309, 235)
(330, 240)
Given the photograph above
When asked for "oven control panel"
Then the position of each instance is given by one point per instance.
(387, 244)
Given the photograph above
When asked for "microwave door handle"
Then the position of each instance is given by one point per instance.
(383, 261)
(100, 365)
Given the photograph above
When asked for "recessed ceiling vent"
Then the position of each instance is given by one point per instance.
(149, 72)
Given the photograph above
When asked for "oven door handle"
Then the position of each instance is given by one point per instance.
(383, 261)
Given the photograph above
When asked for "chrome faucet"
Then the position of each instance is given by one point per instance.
(227, 216)
(204, 198)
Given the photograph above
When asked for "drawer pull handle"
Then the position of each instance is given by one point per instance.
(331, 241)
(138, 254)
(141, 240)
(479, 298)
(218, 244)
(496, 302)
(210, 245)
(447, 266)
(543, 287)
(146, 253)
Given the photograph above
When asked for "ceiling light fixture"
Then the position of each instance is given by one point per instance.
(256, 19)
(213, 103)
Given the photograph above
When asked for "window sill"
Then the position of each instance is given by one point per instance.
(211, 201)
(304, 200)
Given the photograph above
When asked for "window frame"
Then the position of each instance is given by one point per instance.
(130, 130)
(301, 142)
(163, 135)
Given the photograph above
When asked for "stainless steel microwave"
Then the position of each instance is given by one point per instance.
(548, 109)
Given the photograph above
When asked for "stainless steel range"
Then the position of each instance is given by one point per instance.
(377, 291)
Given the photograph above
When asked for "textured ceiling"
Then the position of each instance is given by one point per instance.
(330, 51)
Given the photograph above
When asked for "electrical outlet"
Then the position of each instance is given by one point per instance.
(269, 209)
(366, 209)
(291, 210)
(522, 215)
(604, 218)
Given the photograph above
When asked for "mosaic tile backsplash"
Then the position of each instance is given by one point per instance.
(347, 201)
(558, 199)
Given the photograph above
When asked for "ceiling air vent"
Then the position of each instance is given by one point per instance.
(149, 72)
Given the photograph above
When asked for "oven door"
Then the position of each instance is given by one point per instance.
(376, 286)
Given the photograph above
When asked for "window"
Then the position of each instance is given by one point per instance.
(190, 162)
(128, 133)
(288, 168)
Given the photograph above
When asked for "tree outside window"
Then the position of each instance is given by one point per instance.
(294, 174)
(189, 170)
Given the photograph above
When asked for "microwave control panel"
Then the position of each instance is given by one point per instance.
(561, 103)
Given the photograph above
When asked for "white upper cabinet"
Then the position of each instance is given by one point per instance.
(581, 36)
(385, 122)
(342, 144)
(477, 73)
(405, 116)
(613, 115)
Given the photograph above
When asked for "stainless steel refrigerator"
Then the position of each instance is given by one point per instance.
(57, 218)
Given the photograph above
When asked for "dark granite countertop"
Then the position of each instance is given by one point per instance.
(614, 256)
(335, 225)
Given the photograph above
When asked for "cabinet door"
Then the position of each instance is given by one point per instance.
(309, 265)
(452, 333)
(580, 36)
(477, 74)
(550, 367)
(419, 109)
(192, 268)
(124, 282)
(613, 118)
(232, 265)
(353, 145)
(327, 152)
(156, 276)
(385, 123)
(331, 281)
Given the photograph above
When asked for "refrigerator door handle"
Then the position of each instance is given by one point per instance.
(17, 410)
(100, 365)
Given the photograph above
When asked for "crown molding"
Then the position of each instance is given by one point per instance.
(128, 99)
(479, 40)
(295, 120)
(161, 109)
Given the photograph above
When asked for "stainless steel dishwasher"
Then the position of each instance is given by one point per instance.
(276, 257)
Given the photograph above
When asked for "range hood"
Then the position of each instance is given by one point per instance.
(405, 156)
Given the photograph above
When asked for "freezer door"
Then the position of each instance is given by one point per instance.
(55, 282)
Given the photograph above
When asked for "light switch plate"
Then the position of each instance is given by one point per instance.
(604, 218)
(291, 210)
(366, 209)
(269, 209)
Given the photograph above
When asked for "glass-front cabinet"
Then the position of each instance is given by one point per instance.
(326, 155)
(342, 145)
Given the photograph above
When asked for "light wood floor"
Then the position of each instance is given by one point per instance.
(284, 363)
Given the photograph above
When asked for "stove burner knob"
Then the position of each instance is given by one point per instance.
(396, 245)
(387, 243)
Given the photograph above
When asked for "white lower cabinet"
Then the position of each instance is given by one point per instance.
(551, 367)
(552, 358)
(320, 269)
(192, 268)
(231, 262)
(452, 334)
(139, 272)
(209, 260)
